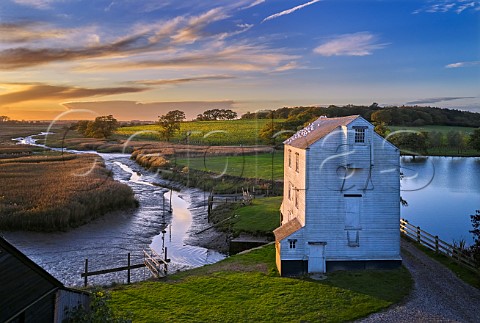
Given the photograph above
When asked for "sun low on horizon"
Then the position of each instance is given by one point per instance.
(138, 59)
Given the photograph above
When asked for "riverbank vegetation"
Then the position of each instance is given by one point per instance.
(53, 191)
(246, 287)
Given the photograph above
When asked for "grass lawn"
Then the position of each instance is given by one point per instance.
(250, 166)
(246, 288)
(229, 132)
(259, 218)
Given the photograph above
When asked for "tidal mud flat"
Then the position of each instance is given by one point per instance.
(106, 241)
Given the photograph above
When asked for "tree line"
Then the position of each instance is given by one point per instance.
(394, 116)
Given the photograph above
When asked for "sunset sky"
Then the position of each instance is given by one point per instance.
(137, 59)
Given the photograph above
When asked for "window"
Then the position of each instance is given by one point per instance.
(289, 191)
(359, 135)
(297, 162)
(292, 243)
(296, 198)
(289, 158)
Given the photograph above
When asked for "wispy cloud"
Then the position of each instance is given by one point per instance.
(357, 44)
(39, 91)
(287, 67)
(192, 31)
(184, 80)
(443, 6)
(254, 4)
(289, 11)
(38, 4)
(439, 99)
(463, 64)
(214, 55)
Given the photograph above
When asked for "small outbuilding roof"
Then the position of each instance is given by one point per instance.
(287, 229)
(317, 130)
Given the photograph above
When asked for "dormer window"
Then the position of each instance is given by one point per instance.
(359, 134)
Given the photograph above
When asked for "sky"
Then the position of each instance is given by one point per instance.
(138, 59)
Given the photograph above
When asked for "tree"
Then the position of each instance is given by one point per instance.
(381, 116)
(217, 114)
(412, 143)
(381, 129)
(474, 139)
(475, 249)
(101, 127)
(4, 118)
(170, 123)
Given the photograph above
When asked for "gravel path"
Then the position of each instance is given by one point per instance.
(438, 295)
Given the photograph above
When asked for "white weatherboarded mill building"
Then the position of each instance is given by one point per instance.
(341, 202)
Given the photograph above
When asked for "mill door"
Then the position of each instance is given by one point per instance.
(316, 257)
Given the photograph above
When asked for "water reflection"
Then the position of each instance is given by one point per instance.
(443, 207)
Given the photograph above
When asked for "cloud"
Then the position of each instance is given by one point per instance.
(463, 64)
(357, 44)
(33, 92)
(289, 11)
(184, 80)
(287, 67)
(443, 6)
(253, 4)
(216, 55)
(439, 99)
(196, 24)
(38, 4)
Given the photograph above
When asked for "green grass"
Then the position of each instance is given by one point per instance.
(259, 218)
(231, 132)
(244, 288)
(250, 166)
(442, 129)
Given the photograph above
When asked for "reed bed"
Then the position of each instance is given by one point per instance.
(52, 193)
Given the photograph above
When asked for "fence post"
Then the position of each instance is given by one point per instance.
(436, 244)
(86, 273)
(418, 235)
(166, 261)
(128, 268)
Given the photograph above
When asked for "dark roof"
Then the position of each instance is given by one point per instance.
(8, 247)
(317, 130)
(287, 229)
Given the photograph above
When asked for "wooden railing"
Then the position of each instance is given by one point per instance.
(157, 265)
(436, 244)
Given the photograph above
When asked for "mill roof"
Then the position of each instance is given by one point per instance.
(317, 130)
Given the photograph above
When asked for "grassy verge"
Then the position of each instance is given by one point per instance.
(53, 192)
(250, 166)
(258, 219)
(246, 288)
(463, 273)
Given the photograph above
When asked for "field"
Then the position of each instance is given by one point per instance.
(441, 129)
(247, 288)
(231, 132)
(51, 192)
(258, 219)
(248, 166)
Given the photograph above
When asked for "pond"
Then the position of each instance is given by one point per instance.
(442, 193)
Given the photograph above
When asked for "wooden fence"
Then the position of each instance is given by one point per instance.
(436, 244)
(151, 260)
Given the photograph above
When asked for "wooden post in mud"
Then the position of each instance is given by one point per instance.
(128, 269)
(86, 273)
